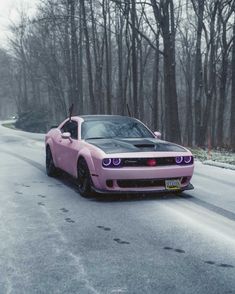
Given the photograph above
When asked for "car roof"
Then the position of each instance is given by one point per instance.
(104, 117)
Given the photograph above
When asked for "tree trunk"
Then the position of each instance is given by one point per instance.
(209, 80)
(93, 106)
(171, 104)
(74, 57)
(119, 39)
(107, 58)
(198, 76)
(232, 119)
(164, 15)
(80, 64)
(223, 75)
(134, 60)
(155, 82)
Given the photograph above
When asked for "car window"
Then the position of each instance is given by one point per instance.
(72, 128)
(116, 128)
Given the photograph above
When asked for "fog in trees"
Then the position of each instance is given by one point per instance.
(172, 63)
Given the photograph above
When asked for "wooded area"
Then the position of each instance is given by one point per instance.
(172, 62)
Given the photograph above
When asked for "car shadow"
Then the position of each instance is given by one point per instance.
(139, 197)
(70, 182)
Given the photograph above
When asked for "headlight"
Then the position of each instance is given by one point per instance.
(107, 162)
(111, 162)
(179, 159)
(187, 159)
(116, 161)
(184, 159)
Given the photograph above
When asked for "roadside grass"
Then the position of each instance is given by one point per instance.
(222, 156)
(9, 126)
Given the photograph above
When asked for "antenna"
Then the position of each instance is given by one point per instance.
(71, 111)
(128, 110)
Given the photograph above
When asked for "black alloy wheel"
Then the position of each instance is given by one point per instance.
(50, 166)
(84, 178)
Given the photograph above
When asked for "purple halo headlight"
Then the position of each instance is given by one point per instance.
(116, 161)
(179, 159)
(107, 162)
(187, 159)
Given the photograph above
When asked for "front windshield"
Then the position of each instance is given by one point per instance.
(114, 128)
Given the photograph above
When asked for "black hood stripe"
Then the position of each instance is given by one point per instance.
(110, 146)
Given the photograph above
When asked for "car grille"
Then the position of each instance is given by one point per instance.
(161, 161)
(141, 183)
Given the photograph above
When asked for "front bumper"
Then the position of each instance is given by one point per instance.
(132, 174)
(113, 192)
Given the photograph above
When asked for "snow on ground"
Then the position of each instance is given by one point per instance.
(220, 164)
(214, 156)
(55, 241)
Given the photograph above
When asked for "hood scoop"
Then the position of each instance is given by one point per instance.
(144, 145)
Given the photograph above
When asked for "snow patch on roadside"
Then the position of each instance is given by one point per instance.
(219, 164)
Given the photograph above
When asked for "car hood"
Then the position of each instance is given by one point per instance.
(119, 145)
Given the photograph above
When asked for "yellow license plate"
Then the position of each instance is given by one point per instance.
(172, 184)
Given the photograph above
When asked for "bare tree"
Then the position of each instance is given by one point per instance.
(101, 55)
(199, 7)
(232, 120)
(164, 13)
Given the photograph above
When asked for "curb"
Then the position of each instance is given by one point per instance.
(219, 164)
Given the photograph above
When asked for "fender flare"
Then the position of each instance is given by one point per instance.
(50, 144)
(86, 154)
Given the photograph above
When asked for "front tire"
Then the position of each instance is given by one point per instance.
(84, 178)
(51, 170)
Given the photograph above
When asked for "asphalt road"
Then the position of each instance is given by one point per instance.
(55, 241)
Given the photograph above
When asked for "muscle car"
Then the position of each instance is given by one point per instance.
(117, 154)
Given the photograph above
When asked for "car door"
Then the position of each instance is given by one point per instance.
(67, 149)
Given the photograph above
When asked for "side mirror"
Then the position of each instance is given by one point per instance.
(158, 135)
(66, 135)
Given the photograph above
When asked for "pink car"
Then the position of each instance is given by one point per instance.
(113, 154)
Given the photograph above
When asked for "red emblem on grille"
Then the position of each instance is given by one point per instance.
(151, 162)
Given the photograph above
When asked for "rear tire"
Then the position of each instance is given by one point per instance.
(84, 178)
(51, 170)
